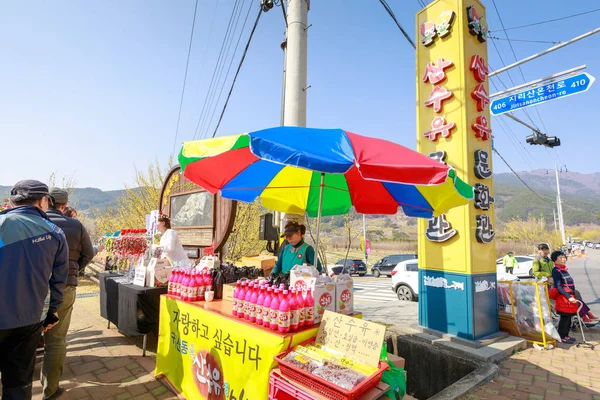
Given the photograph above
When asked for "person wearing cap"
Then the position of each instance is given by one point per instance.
(81, 253)
(34, 258)
(509, 261)
(297, 252)
(542, 264)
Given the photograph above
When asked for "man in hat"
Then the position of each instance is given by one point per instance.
(81, 253)
(542, 264)
(33, 259)
(509, 261)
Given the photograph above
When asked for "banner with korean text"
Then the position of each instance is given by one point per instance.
(205, 355)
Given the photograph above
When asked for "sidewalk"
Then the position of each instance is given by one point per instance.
(101, 363)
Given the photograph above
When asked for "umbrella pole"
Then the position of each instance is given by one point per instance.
(319, 220)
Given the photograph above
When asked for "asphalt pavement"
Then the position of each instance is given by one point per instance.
(586, 274)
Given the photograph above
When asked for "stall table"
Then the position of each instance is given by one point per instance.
(133, 309)
(205, 352)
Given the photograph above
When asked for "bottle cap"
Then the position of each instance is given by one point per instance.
(285, 292)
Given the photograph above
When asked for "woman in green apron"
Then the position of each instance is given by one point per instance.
(297, 252)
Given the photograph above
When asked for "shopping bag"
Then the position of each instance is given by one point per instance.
(395, 378)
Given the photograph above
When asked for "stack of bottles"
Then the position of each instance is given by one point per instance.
(273, 307)
(190, 285)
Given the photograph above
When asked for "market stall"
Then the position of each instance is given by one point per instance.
(282, 167)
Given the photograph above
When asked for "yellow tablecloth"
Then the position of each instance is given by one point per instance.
(206, 353)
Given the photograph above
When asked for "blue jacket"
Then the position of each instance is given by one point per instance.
(34, 255)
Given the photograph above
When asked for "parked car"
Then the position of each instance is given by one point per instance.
(597, 246)
(388, 263)
(354, 267)
(405, 280)
(524, 268)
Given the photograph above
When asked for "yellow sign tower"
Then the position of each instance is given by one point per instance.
(457, 276)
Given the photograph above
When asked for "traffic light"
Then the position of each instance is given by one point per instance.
(540, 138)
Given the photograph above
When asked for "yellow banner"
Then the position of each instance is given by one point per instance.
(205, 355)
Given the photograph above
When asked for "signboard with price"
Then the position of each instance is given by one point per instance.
(205, 355)
(543, 93)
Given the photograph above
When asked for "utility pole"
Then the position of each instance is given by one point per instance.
(294, 113)
(561, 220)
(293, 107)
(555, 225)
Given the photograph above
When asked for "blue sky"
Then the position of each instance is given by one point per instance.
(91, 89)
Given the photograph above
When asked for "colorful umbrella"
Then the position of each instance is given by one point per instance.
(297, 170)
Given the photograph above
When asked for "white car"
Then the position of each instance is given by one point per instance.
(524, 267)
(405, 280)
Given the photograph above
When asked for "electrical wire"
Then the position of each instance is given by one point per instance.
(391, 14)
(520, 69)
(237, 72)
(229, 68)
(187, 64)
(521, 179)
(212, 104)
(223, 42)
(524, 40)
(551, 20)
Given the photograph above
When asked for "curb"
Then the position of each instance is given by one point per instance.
(480, 376)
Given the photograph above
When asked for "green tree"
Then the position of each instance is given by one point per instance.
(243, 241)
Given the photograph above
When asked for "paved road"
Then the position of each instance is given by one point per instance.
(369, 290)
(586, 273)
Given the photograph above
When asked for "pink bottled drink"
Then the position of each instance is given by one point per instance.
(248, 302)
(301, 309)
(185, 284)
(260, 300)
(242, 300)
(285, 313)
(274, 311)
(171, 283)
(309, 305)
(294, 322)
(266, 319)
(177, 289)
(201, 285)
(193, 288)
(253, 301)
(236, 292)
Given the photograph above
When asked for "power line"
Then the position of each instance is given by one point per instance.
(229, 68)
(521, 179)
(187, 64)
(516, 59)
(524, 40)
(551, 20)
(391, 13)
(212, 104)
(200, 118)
(238, 71)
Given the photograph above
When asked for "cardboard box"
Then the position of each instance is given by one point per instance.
(397, 361)
(228, 289)
(344, 294)
(324, 295)
(260, 261)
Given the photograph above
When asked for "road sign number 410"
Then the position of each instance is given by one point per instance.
(578, 83)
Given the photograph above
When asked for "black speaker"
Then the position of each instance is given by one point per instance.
(266, 229)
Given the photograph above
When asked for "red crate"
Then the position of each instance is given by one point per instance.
(279, 389)
(323, 387)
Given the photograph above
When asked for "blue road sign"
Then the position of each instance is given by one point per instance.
(543, 93)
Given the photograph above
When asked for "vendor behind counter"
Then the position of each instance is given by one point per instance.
(171, 245)
(296, 252)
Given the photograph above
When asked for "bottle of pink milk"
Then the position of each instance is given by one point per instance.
(247, 302)
(242, 300)
(309, 305)
(274, 311)
(267, 307)
(285, 313)
(301, 309)
(294, 322)
(185, 287)
(253, 301)
(236, 292)
(193, 288)
(260, 300)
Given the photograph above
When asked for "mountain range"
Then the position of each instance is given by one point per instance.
(580, 193)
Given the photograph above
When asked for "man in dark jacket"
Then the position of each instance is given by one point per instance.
(33, 258)
(81, 253)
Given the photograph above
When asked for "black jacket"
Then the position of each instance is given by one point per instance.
(81, 250)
